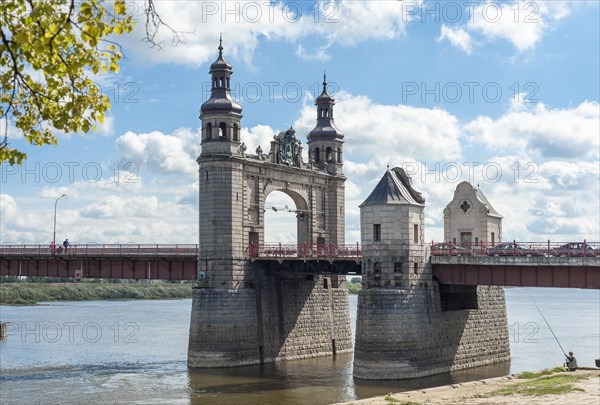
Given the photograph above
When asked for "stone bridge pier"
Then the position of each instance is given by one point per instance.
(284, 316)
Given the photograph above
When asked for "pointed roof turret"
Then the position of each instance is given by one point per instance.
(220, 100)
(325, 129)
(395, 188)
(324, 97)
(220, 63)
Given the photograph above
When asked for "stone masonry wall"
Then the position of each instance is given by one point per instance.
(222, 328)
(300, 318)
(403, 333)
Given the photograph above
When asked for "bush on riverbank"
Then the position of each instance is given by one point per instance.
(354, 288)
(32, 293)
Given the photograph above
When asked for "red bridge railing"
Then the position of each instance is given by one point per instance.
(95, 250)
(514, 248)
(305, 251)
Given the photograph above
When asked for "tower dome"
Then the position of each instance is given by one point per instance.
(220, 100)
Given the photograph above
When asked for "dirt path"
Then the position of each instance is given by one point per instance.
(477, 392)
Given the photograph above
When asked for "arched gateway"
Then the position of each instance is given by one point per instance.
(241, 313)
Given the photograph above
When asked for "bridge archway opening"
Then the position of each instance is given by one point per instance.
(286, 218)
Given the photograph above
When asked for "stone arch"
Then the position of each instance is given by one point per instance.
(301, 209)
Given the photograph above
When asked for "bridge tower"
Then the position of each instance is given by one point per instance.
(221, 186)
(408, 325)
(244, 311)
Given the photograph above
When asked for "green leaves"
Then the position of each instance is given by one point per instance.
(47, 50)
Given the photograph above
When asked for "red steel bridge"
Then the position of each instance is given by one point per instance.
(534, 264)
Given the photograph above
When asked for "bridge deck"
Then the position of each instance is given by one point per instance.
(518, 271)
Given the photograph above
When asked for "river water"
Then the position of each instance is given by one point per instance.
(134, 352)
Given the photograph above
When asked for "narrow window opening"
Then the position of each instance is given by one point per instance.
(209, 131)
(416, 233)
(222, 130)
(416, 268)
(376, 232)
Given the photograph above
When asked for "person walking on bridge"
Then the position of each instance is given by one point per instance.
(66, 244)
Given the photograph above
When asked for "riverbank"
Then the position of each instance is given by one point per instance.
(24, 293)
(546, 387)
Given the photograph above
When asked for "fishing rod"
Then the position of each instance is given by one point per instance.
(544, 318)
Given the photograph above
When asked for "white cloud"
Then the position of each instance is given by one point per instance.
(243, 23)
(260, 135)
(522, 23)
(390, 134)
(567, 133)
(457, 37)
(170, 153)
(319, 54)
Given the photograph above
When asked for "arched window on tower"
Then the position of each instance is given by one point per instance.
(339, 155)
(236, 132)
(228, 83)
(222, 131)
(317, 155)
(215, 82)
(221, 82)
(329, 155)
(326, 113)
(208, 135)
(320, 113)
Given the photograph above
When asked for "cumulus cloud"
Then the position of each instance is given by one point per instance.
(390, 134)
(457, 37)
(522, 23)
(567, 133)
(170, 153)
(342, 22)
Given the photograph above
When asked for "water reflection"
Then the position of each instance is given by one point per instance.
(322, 380)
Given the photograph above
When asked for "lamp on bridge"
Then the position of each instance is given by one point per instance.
(54, 233)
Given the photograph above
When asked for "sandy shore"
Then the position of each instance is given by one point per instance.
(477, 392)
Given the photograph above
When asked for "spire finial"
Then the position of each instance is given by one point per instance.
(220, 44)
(324, 81)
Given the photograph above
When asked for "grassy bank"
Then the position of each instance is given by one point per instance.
(546, 387)
(32, 293)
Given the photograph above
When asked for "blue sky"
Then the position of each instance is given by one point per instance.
(502, 94)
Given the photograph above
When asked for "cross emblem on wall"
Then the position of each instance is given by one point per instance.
(465, 206)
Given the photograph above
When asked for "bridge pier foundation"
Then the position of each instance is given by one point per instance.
(286, 316)
(421, 331)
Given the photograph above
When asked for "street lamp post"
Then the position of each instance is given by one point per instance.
(54, 234)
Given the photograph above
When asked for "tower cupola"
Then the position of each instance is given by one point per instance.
(220, 114)
(325, 140)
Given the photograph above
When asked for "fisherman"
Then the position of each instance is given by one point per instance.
(571, 363)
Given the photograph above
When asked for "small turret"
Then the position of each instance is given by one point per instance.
(325, 140)
(220, 114)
